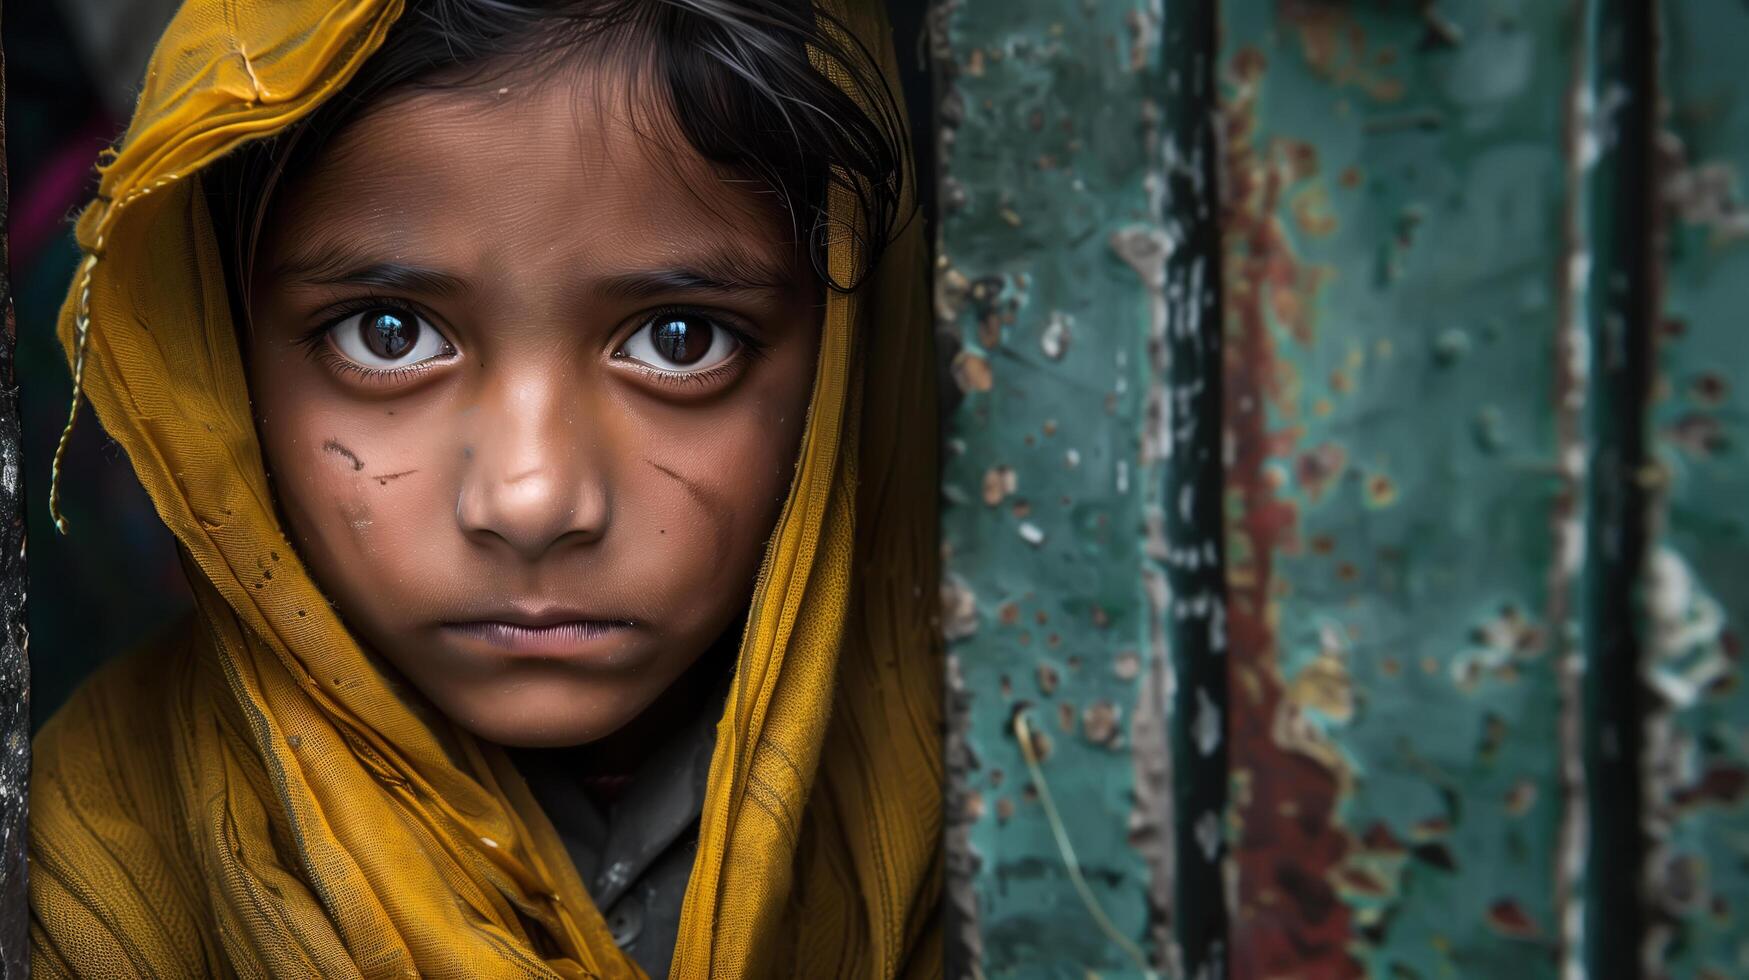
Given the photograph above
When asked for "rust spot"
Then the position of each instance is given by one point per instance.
(1335, 48)
(1381, 491)
(1721, 785)
(990, 330)
(1289, 844)
(1066, 717)
(1316, 468)
(1350, 177)
(1379, 839)
(1004, 810)
(999, 482)
(1510, 919)
(1047, 679)
(972, 372)
(1709, 388)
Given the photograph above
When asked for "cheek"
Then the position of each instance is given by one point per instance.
(355, 485)
(710, 483)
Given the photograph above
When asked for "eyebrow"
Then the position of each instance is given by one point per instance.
(343, 267)
(720, 270)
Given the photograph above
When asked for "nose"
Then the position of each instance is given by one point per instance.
(533, 477)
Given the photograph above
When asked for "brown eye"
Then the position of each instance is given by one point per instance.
(681, 343)
(388, 333)
(386, 337)
(681, 340)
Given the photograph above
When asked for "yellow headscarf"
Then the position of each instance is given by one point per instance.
(250, 797)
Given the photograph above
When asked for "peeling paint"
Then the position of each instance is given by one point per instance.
(1393, 192)
(1289, 918)
(1042, 121)
(1695, 597)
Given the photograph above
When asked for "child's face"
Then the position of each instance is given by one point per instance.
(531, 387)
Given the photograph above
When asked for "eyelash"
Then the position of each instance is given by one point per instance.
(314, 343)
(751, 349)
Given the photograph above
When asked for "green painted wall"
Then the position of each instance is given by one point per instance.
(1048, 150)
(1356, 511)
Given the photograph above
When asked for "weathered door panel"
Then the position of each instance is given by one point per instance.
(1397, 203)
(1472, 677)
(1044, 162)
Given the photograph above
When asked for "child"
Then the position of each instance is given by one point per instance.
(539, 393)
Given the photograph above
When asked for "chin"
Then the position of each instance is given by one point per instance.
(538, 716)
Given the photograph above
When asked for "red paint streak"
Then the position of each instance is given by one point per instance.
(1290, 919)
(1510, 919)
(1720, 786)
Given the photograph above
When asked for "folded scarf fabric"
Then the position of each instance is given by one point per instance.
(250, 794)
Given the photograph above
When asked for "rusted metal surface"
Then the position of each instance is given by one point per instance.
(1696, 765)
(1077, 282)
(1401, 523)
(1475, 679)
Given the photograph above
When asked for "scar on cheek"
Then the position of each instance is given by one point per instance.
(334, 446)
(383, 480)
(721, 514)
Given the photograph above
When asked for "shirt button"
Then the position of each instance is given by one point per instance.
(626, 921)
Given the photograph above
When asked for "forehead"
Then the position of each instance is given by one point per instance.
(583, 159)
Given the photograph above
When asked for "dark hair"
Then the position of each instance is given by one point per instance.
(754, 86)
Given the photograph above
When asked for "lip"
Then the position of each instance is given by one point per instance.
(557, 633)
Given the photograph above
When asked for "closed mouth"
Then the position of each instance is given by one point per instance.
(539, 637)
